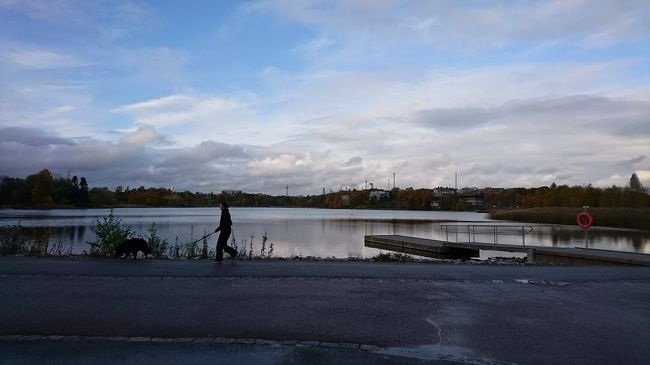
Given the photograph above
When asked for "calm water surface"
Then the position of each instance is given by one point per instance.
(311, 232)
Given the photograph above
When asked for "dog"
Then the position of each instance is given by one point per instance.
(131, 247)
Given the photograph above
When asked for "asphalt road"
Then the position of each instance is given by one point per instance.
(457, 313)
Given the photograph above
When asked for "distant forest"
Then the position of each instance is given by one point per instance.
(41, 190)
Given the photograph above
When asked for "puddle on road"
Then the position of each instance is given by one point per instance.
(440, 353)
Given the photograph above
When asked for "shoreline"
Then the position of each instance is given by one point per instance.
(389, 257)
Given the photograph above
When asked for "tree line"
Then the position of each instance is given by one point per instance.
(568, 196)
(42, 190)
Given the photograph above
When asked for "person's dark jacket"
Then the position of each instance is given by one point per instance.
(225, 222)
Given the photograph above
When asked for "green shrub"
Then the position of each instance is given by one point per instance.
(157, 245)
(110, 232)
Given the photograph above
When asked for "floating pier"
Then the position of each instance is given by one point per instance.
(534, 254)
(419, 246)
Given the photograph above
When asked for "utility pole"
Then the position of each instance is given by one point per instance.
(393, 179)
(366, 186)
(456, 197)
(287, 190)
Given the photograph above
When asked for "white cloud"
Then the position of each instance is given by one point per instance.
(644, 176)
(158, 103)
(62, 109)
(460, 24)
(142, 136)
(41, 59)
(281, 166)
(178, 109)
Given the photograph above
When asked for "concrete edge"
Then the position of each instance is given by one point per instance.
(417, 353)
(195, 340)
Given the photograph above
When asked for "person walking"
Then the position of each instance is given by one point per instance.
(224, 228)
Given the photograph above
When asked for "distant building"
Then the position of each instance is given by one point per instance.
(474, 201)
(469, 191)
(345, 200)
(230, 192)
(441, 192)
(470, 197)
(379, 194)
(493, 190)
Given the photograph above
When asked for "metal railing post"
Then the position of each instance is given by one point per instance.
(470, 229)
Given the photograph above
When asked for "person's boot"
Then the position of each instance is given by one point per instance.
(218, 259)
(232, 252)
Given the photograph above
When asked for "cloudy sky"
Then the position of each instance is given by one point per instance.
(211, 95)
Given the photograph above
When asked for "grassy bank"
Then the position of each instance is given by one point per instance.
(634, 218)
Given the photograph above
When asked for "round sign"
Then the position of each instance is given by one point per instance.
(585, 220)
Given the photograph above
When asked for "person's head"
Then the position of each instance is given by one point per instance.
(223, 205)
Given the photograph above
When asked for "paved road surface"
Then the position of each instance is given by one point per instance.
(321, 311)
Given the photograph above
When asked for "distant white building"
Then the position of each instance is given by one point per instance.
(379, 194)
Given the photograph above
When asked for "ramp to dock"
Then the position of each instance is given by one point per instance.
(419, 246)
(535, 254)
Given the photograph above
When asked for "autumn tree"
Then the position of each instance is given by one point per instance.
(84, 199)
(42, 187)
(635, 183)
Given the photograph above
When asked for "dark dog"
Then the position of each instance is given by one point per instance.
(131, 247)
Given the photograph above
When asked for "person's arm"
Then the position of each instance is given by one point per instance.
(220, 224)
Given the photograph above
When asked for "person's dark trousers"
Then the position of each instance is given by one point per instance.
(222, 245)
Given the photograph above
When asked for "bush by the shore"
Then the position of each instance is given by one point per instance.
(633, 218)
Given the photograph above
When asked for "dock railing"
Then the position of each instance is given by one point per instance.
(470, 231)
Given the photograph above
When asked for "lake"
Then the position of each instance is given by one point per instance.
(314, 232)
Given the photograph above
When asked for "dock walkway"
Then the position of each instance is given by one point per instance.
(535, 254)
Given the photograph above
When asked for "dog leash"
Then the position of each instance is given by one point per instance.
(202, 238)
(208, 235)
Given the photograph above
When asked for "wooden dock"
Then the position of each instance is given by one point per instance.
(534, 254)
(419, 246)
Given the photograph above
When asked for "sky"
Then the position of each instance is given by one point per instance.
(257, 95)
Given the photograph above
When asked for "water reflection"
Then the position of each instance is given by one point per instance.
(307, 232)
